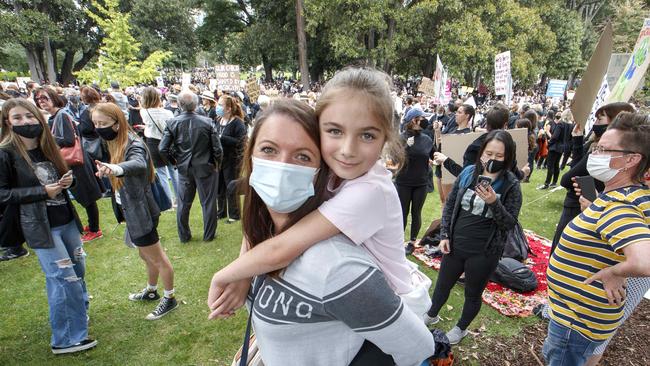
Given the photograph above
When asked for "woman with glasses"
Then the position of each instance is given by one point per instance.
(87, 187)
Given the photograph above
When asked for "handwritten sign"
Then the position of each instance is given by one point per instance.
(227, 77)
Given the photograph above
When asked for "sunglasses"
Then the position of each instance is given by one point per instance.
(42, 98)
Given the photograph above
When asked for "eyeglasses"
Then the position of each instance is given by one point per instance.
(42, 98)
(602, 149)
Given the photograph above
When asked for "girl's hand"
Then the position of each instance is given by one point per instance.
(577, 130)
(224, 299)
(105, 169)
(53, 189)
(66, 180)
(410, 141)
(444, 246)
(486, 193)
(584, 203)
(439, 158)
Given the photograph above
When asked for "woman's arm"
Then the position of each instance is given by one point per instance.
(64, 130)
(279, 251)
(135, 161)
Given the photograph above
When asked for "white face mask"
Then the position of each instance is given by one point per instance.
(598, 167)
(283, 187)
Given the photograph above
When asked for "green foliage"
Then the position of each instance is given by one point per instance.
(12, 57)
(117, 58)
(627, 21)
(569, 32)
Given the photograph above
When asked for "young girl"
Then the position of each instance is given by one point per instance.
(355, 114)
(131, 172)
(34, 177)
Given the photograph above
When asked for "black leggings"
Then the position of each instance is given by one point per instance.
(553, 164)
(93, 217)
(413, 198)
(477, 268)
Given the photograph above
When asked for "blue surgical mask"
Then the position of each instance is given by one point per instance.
(283, 187)
(219, 110)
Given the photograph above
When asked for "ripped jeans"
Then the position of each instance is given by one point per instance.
(64, 266)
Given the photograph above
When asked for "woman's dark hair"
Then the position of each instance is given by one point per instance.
(90, 95)
(509, 153)
(524, 123)
(468, 109)
(497, 117)
(256, 219)
(611, 110)
(635, 131)
(56, 99)
(531, 115)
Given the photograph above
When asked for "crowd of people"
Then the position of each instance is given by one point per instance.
(329, 180)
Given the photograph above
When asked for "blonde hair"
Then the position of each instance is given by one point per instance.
(46, 142)
(375, 86)
(150, 98)
(117, 147)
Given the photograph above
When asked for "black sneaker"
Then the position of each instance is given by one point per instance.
(543, 186)
(14, 253)
(165, 305)
(145, 295)
(409, 248)
(538, 311)
(81, 346)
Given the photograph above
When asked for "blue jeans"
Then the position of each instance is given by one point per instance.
(64, 266)
(565, 346)
(167, 173)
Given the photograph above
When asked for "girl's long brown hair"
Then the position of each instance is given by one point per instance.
(117, 147)
(235, 108)
(8, 139)
(256, 219)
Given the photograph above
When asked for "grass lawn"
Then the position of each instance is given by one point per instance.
(185, 337)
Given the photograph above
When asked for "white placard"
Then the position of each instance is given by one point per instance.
(228, 77)
(502, 77)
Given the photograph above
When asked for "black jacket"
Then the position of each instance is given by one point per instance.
(505, 212)
(139, 208)
(192, 141)
(233, 140)
(556, 142)
(20, 186)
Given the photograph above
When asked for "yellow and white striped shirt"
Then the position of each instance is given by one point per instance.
(592, 241)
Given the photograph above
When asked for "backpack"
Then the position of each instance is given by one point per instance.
(514, 275)
(516, 245)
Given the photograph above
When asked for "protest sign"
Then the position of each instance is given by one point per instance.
(617, 64)
(502, 79)
(635, 69)
(602, 95)
(427, 87)
(227, 77)
(186, 81)
(253, 89)
(160, 82)
(439, 81)
(556, 88)
(212, 84)
(454, 146)
(592, 79)
(22, 82)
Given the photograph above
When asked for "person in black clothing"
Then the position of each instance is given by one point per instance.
(192, 141)
(555, 151)
(232, 133)
(411, 180)
(568, 141)
(209, 105)
(135, 119)
(475, 224)
(581, 151)
(173, 104)
(91, 141)
(88, 188)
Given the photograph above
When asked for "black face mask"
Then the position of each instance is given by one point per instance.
(494, 166)
(28, 131)
(599, 130)
(424, 124)
(107, 133)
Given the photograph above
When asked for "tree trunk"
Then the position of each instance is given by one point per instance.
(35, 71)
(302, 45)
(371, 46)
(66, 68)
(268, 68)
(389, 39)
(49, 60)
(428, 66)
(477, 79)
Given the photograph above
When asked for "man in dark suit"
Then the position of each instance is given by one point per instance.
(193, 143)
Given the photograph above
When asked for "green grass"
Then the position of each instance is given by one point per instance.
(184, 337)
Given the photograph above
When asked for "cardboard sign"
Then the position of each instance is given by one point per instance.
(253, 89)
(601, 97)
(454, 146)
(556, 88)
(227, 77)
(502, 77)
(635, 69)
(592, 79)
(617, 64)
(427, 87)
(22, 82)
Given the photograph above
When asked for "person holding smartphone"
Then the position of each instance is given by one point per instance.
(483, 206)
(34, 176)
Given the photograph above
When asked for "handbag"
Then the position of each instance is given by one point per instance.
(73, 155)
(159, 194)
(249, 353)
(516, 245)
(93, 147)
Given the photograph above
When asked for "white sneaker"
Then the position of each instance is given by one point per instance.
(455, 335)
(431, 321)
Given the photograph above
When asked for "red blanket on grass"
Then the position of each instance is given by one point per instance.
(506, 301)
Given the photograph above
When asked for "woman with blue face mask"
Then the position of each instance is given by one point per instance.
(323, 306)
(232, 133)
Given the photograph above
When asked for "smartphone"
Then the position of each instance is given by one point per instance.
(67, 174)
(484, 181)
(588, 187)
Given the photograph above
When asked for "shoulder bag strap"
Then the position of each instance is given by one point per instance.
(243, 360)
(153, 121)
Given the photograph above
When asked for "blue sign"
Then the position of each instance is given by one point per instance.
(556, 88)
